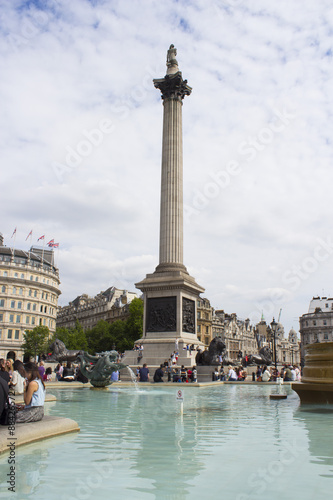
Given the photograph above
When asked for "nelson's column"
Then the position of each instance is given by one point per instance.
(170, 293)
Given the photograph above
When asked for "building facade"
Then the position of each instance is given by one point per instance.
(29, 291)
(110, 305)
(238, 335)
(317, 324)
(204, 321)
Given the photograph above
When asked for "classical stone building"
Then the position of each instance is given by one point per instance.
(204, 321)
(317, 324)
(238, 335)
(110, 305)
(29, 291)
(287, 348)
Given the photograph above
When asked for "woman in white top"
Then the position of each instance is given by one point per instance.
(17, 383)
(266, 375)
(34, 396)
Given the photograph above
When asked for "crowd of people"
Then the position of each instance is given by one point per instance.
(172, 373)
(17, 378)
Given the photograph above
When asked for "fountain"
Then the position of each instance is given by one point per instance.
(317, 379)
(98, 369)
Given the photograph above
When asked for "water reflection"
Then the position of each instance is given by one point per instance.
(318, 422)
(135, 444)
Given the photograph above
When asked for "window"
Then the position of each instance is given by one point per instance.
(326, 305)
(40, 322)
(41, 309)
(325, 336)
(3, 289)
(14, 290)
(1, 317)
(30, 293)
(206, 329)
(314, 322)
(0, 333)
(31, 278)
(17, 334)
(29, 306)
(22, 276)
(46, 296)
(45, 309)
(18, 318)
(15, 275)
(36, 279)
(44, 322)
(199, 328)
(5, 273)
(35, 293)
(33, 320)
(27, 320)
(42, 295)
(19, 305)
(324, 322)
(20, 291)
(2, 303)
(34, 307)
(11, 318)
(10, 334)
(12, 304)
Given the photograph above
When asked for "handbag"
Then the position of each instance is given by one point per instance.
(8, 416)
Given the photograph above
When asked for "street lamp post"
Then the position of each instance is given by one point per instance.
(273, 326)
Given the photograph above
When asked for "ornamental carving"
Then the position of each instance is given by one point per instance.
(161, 314)
(173, 87)
(188, 315)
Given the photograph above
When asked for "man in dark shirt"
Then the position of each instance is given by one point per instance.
(158, 375)
(144, 373)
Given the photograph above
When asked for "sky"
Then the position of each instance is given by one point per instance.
(81, 132)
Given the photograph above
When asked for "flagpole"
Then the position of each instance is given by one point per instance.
(13, 247)
(43, 250)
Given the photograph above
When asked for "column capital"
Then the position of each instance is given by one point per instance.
(173, 86)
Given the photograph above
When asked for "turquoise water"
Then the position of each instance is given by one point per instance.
(232, 442)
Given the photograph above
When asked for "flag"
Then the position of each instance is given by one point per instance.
(50, 243)
(14, 232)
(30, 234)
(41, 238)
(55, 245)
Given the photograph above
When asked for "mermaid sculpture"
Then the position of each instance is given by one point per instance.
(98, 368)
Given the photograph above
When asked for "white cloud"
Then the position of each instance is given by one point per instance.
(71, 66)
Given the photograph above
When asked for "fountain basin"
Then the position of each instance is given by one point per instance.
(317, 379)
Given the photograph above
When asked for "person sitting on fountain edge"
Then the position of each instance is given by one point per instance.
(158, 375)
(144, 373)
(34, 396)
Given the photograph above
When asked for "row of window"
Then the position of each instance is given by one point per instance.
(29, 320)
(32, 278)
(31, 306)
(31, 293)
(316, 322)
(11, 334)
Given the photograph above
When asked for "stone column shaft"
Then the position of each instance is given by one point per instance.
(171, 216)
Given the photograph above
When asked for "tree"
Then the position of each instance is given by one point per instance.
(73, 338)
(134, 324)
(35, 341)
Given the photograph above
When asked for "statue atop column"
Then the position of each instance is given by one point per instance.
(172, 64)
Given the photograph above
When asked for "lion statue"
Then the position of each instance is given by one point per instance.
(210, 357)
(61, 353)
(263, 358)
